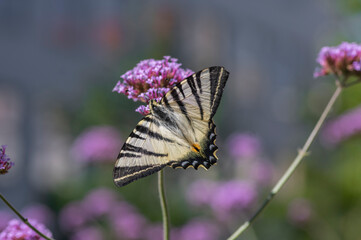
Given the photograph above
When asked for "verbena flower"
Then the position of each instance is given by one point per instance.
(244, 145)
(151, 79)
(224, 198)
(233, 195)
(127, 222)
(17, 230)
(198, 229)
(200, 192)
(99, 202)
(342, 60)
(342, 127)
(39, 212)
(97, 144)
(5, 163)
(73, 216)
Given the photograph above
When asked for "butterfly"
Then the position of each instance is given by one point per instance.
(178, 131)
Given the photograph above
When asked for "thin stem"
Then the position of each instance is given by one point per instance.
(301, 154)
(163, 204)
(25, 220)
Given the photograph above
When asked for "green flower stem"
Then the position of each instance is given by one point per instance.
(301, 154)
(25, 220)
(163, 204)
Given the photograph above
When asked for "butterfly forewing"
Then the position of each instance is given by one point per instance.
(198, 96)
(179, 131)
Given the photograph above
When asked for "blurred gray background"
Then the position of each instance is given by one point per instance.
(53, 52)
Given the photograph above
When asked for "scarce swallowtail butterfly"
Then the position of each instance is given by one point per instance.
(178, 132)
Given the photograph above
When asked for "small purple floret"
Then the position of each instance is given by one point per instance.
(151, 79)
(5, 163)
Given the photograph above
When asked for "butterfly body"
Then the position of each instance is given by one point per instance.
(178, 132)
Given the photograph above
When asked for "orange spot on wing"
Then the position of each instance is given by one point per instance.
(196, 147)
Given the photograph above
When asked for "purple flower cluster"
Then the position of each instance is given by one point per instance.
(343, 127)
(121, 220)
(19, 230)
(97, 144)
(151, 79)
(222, 197)
(344, 59)
(102, 204)
(5, 163)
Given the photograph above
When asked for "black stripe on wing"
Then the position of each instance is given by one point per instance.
(181, 105)
(142, 129)
(131, 148)
(125, 175)
(218, 78)
(192, 85)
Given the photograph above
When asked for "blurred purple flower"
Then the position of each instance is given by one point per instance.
(342, 127)
(5, 163)
(224, 197)
(299, 211)
(100, 143)
(88, 233)
(73, 216)
(5, 217)
(153, 232)
(199, 229)
(127, 223)
(99, 202)
(151, 79)
(129, 226)
(344, 59)
(17, 230)
(243, 145)
(201, 191)
(39, 212)
(233, 195)
(261, 172)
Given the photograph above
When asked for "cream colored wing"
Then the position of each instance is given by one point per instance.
(148, 149)
(198, 96)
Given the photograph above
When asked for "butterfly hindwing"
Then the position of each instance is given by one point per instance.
(179, 131)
